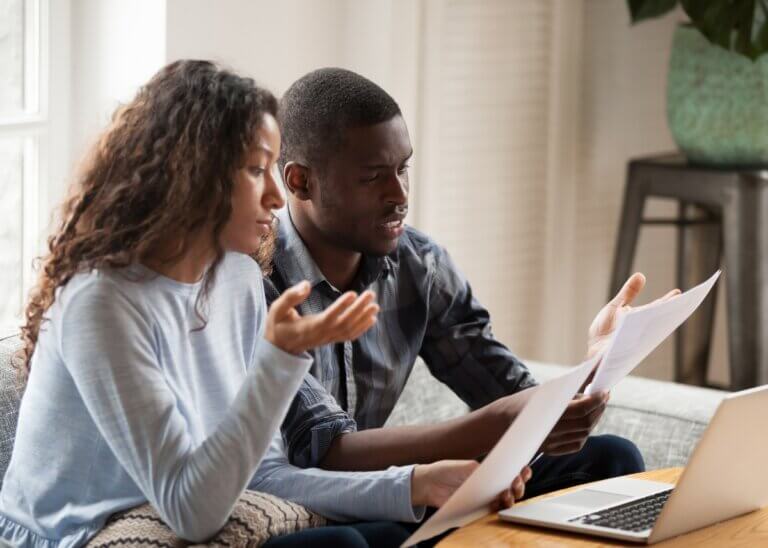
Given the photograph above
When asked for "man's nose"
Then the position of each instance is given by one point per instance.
(397, 190)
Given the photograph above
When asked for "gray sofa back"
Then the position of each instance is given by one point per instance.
(9, 400)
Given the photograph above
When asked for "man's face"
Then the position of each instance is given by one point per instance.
(363, 191)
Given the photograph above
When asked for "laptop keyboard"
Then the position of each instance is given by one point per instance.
(637, 515)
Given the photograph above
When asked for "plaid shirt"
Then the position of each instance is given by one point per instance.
(427, 310)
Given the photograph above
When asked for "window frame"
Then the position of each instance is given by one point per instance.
(32, 126)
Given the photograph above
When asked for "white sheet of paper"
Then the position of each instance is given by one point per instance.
(546, 403)
(642, 330)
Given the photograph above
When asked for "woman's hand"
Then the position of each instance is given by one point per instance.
(346, 319)
(433, 484)
(516, 491)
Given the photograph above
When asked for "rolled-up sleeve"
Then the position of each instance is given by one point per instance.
(314, 419)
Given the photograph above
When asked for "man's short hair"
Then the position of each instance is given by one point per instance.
(321, 106)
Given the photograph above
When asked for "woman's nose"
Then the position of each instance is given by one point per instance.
(273, 196)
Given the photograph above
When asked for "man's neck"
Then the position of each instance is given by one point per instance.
(338, 265)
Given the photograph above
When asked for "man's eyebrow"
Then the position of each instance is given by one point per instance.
(383, 166)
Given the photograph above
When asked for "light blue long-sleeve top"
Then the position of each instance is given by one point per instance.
(127, 403)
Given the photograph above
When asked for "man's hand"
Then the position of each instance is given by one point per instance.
(346, 319)
(608, 318)
(433, 484)
(571, 431)
(584, 412)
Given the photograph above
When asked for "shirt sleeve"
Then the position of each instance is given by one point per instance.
(107, 346)
(459, 347)
(314, 417)
(340, 496)
(313, 420)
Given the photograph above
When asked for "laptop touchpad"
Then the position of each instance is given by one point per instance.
(590, 498)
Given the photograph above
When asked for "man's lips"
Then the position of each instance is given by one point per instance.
(393, 221)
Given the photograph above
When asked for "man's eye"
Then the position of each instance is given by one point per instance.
(404, 169)
(369, 178)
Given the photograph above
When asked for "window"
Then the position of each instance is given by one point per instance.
(23, 125)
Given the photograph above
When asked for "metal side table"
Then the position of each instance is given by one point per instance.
(722, 217)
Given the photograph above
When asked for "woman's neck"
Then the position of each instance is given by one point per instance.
(189, 267)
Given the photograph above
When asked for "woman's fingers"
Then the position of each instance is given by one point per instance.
(290, 298)
(354, 312)
(516, 490)
(347, 320)
(338, 307)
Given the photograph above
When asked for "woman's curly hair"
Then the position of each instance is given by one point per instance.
(165, 166)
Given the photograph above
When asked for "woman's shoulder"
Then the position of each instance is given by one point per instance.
(239, 264)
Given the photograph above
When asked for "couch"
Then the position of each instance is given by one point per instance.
(665, 420)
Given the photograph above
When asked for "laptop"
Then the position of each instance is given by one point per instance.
(726, 477)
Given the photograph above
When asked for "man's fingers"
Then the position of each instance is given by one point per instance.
(556, 440)
(564, 449)
(290, 298)
(584, 405)
(631, 289)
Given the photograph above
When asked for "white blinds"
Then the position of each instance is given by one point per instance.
(481, 187)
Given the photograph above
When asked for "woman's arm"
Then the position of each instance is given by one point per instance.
(107, 346)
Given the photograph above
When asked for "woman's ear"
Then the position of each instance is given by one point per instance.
(296, 177)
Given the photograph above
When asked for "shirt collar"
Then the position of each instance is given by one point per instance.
(296, 263)
(293, 259)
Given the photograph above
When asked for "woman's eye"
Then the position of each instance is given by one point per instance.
(256, 171)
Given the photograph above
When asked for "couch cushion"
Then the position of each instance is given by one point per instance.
(255, 518)
(664, 419)
(9, 400)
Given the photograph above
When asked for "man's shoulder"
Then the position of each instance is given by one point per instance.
(414, 242)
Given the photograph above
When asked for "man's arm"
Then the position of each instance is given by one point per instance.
(460, 350)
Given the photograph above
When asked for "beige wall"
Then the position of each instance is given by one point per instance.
(523, 115)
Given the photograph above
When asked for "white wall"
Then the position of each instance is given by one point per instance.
(576, 90)
(116, 47)
(278, 42)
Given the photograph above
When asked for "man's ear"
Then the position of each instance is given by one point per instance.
(296, 177)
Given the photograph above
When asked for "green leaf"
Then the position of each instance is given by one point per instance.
(639, 10)
(736, 25)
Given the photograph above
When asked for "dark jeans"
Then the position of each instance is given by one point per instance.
(602, 457)
(373, 534)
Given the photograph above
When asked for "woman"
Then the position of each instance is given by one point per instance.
(154, 371)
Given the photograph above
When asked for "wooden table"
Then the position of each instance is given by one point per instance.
(744, 531)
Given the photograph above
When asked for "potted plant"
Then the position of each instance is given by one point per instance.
(717, 88)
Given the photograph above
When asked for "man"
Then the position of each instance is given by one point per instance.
(345, 166)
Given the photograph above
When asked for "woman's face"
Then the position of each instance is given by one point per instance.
(256, 192)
